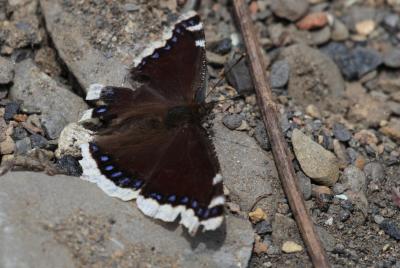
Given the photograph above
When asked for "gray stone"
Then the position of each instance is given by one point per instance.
(38, 141)
(238, 76)
(339, 31)
(378, 219)
(391, 228)
(316, 162)
(321, 36)
(279, 73)
(289, 9)
(10, 110)
(317, 80)
(328, 240)
(232, 121)
(59, 106)
(392, 58)
(305, 185)
(391, 21)
(260, 134)
(339, 188)
(19, 133)
(353, 63)
(394, 107)
(354, 179)
(45, 222)
(248, 171)
(374, 171)
(23, 146)
(221, 47)
(6, 71)
(341, 132)
(69, 165)
(263, 227)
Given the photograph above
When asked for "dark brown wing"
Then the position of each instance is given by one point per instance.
(176, 70)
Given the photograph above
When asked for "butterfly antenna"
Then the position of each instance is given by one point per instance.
(223, 76)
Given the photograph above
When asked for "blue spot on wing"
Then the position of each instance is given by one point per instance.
(172, 198)
(109, 168)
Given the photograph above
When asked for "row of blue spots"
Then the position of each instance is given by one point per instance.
(200, 211)
(124, 181)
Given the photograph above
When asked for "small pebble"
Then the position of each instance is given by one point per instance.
(19, 133)
(313, 111)
(221, 47)
(378, 219)
(344, 215)
(289, 9)
(313, 21)
(305, 185)
(23, 146)
(232, 121)
(260, 247)
(374, 171)
(390, 228)
(391, 21)
(11, 109)
(257, 215)
(392, 58)
(263, 227)
(238, 76)
(38, 141)
(339, 31)
(7, 146)
(279, 74)
(291, 247)
(69, 165)
(341, 132)
(365, 27)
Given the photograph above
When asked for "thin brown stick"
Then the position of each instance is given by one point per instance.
(279, 145)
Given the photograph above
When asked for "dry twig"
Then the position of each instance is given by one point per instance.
(279, 145)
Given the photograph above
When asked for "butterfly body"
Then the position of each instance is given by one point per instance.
(151, 145)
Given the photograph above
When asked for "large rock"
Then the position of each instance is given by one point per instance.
(85, 36)
(62, 221)
(58, 105)
(248, 171)
(316, 79)
(319, 164)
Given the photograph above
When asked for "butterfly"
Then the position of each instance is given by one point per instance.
(150, 145)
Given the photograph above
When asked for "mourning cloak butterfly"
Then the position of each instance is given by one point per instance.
(151, 145)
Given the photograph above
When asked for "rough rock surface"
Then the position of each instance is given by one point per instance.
(247, 169)
(317, 80)
(59, 106)
(62, 221)
(316, 162)
(6, 71)
(76, 45)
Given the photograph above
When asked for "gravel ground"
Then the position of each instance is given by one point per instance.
(334, 67)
